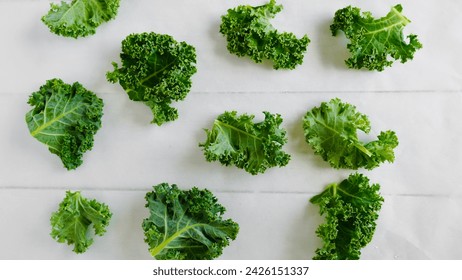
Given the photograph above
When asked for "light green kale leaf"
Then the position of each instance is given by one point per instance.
(254, 147)
(79, 18)
(65, 118)
(350, 210)
(249, 33)
(186, 224)
(75, 216)
(156, 70)
(331, 130)
(374, 41)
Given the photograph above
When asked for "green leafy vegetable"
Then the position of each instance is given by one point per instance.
(65, 118)
(80, 18)
(186, 224)
(249, 33)
(373, 41)
(155, 70)
(351, 209)
(331, 131)
(76, 214)
(254, 147)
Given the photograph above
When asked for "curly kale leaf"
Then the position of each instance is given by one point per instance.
(351, 209)
(156, 70)
(373, 41)
(65, 118)
(75, 216)
(251, 146)
(249, 33)
(186, 224)
(331, 131)
(79, 18)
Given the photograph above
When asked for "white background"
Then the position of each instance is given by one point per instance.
(420, 100)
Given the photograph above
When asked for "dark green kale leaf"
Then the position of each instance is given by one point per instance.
(65, 118)
(156, 70)
(249, 33)
(331, 130)
(79, 18)
(374, 41)
(75, 216)
(350, 209)
(254, 147)
(186, 224)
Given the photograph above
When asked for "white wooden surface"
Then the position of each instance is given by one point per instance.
(420, 100)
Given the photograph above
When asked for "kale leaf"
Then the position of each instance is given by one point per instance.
(65, 118)
(373, 41)
(249, 33)
(350, 209)
(156, 70)
(75, 216)
(186, 224)
(251, 146)
(331, 131)
(80, 18)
